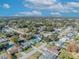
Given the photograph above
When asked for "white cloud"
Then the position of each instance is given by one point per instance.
(55, 14)
(41, 4)
(75, 11)
(71, 7)
(6, 5)
(53, 5)
(73, 4)
(60, 8)
(32, 13)
(45, 4)
(57, 6)
(65, 8)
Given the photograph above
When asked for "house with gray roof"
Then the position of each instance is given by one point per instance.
(2, 40)
(48, 55)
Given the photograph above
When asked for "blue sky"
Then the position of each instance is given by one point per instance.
(69, 8)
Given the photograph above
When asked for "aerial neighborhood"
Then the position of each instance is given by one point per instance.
(39, 29)
(44, 39)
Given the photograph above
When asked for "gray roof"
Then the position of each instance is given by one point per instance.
(3, 57)
(3, 40)
(48, 56)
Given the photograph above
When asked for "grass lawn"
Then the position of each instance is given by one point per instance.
(28, 50)
(2, 52)
(49, 46)
(37, 44)
(35, 56)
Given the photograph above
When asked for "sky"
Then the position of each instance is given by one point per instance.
(67, 8)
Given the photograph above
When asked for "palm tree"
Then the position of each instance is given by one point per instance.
(14, 39)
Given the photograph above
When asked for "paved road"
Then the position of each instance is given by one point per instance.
(44, 48)
(26, 56)
(16, 30)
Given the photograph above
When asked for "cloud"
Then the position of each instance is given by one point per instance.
(41, 4)
(75, 11)
(32, 13)
(52, 5)
(72, 7)
(57, 8)
(56, 14)
(65, 8)
(73, 4)
(5, 5)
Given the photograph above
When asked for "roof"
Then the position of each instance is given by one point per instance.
(3, 57)
(48, 56)
(3, 40)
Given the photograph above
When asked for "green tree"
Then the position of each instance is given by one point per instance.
(65, 55)
(77, 37)
(15, 39)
